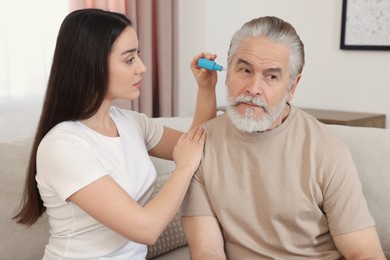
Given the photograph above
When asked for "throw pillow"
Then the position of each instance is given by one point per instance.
(173, 236)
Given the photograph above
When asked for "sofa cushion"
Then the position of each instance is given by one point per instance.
(28, 243)
(370, 148)
(181, 253)
(173, 236)
(17, 241)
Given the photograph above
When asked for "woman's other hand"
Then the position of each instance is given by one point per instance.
(189, 148)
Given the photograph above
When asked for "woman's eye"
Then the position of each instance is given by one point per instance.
(130, 60)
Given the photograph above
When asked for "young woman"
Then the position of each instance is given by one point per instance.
(89, 167)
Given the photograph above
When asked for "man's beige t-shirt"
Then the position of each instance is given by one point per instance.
(281, 193)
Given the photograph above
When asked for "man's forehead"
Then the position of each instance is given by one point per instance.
(263, 48)
(270, 65)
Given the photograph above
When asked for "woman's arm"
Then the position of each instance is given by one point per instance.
(206, 107)
(108, 203)
(206, 101)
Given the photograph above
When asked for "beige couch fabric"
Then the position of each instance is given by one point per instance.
(370, 149)
(18, 242)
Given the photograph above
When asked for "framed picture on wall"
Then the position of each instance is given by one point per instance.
(365, 25)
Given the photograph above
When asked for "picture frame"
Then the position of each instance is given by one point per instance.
(365, 25)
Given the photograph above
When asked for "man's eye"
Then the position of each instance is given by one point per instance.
(245, 70)
(272, 77)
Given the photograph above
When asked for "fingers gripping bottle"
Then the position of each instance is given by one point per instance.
(209, 64)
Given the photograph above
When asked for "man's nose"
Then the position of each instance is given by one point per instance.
(254, 86)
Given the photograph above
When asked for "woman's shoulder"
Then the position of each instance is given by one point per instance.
(67, 130)
(128, 120)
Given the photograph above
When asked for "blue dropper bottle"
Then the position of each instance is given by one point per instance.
(209, 64)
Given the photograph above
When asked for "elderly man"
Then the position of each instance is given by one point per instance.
(274, 182)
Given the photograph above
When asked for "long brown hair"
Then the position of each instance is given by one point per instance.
(76, 87)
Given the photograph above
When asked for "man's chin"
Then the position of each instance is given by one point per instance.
(251, 113)
(247, 121)
(251, 126)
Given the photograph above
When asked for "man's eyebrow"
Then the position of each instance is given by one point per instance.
(275, 70)
(240, 60)
(269, 70)
(129, 51)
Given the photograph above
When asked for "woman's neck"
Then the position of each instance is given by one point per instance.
(102, 123)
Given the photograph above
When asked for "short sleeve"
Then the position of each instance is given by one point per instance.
(344, 203)
(152, 130)
(65, 164)
(196, 202)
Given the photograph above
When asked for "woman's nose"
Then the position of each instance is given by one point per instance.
(141, 68)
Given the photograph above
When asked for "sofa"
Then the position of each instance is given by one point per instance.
(370, 148)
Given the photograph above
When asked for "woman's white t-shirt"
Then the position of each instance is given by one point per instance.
(72, 156)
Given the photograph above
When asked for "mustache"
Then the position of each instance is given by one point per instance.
(256, 101)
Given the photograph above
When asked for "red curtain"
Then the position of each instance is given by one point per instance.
(156, 25)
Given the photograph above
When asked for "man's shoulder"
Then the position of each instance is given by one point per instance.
(316, 130)
(216, 122)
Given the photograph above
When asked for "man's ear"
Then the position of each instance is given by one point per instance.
(293, 87)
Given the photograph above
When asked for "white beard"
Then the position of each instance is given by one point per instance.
(247, 122)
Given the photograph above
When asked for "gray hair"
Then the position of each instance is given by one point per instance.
(276, 30)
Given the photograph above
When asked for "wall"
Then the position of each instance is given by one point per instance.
(332, 78)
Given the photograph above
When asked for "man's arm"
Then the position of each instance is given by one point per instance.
(361, 244)
(204, 238)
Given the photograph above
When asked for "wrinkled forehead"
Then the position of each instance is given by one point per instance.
(262, 54)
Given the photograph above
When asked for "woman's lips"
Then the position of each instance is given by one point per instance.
(137, 85)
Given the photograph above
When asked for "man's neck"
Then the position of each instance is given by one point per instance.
(283, 116)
